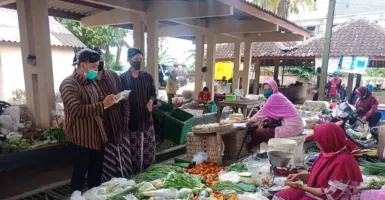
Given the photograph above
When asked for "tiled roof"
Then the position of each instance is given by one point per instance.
(60, 36)
(259, 49)
(359, 37)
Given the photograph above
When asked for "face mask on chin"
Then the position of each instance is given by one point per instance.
(90, 74)
(136, 64)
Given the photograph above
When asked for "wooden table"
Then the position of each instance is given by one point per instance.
(243, 104)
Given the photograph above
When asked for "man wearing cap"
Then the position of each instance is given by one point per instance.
(333, 87)
(117, 154)
(84, 108)
(142, 98)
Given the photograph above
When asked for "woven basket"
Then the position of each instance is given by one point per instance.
(212, 130)
(216, 144)
(204, 143)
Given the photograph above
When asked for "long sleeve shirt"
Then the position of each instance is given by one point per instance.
(83, 109)
(142, 90)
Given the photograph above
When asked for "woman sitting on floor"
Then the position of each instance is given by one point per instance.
(277, 110)
(335, 174)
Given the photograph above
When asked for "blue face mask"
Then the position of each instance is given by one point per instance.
(91, 74)
(267, 93)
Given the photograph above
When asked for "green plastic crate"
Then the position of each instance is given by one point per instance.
(177, 122)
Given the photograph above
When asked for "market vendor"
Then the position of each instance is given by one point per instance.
(366, 106)
(117, 154)
(141, 99)
(84, 109)
(278, 118)
(334, 175)
(334, 86)
(204, 96)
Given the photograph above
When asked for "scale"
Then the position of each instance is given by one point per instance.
(279, 161)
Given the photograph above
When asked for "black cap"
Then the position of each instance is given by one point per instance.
(132, 52)
(86, 55)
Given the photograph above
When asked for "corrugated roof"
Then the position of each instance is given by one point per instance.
(60, 36)
(359, 37)
(259, 49)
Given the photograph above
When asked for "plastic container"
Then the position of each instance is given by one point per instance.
(177, 122)
(284, 145)
(382, 114)
(231, 97)
(298, 154)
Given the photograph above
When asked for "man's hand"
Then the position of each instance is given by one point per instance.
(149, 105)
(109, 100)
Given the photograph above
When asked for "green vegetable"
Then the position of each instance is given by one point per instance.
(245, 174)
(227, 185)
(156, 171)
(247, 187)
(180, 180)
(120, 196)
(373, 168)
(56, 133)
(238, 167)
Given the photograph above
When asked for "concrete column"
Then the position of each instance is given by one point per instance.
(139, 29)
(152, 51)
(211, 49)
(257, 74)
(246, 68)
(35, 41)
(199, 62)
(349, 87)
(276, 69)
(237, 64)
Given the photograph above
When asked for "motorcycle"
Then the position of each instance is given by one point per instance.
(347, 118)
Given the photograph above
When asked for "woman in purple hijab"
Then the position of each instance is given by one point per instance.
(278, 118)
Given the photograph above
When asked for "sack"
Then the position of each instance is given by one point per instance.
(200, 157)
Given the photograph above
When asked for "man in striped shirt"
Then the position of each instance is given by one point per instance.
(84, 108)
(142, 97)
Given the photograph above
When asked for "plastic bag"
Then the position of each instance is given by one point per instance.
(372, 194)
(113, 187)
(14, 113)
(230, 176)
(6, 122)
(158, 183)
(77, 195)
(250, 196)
(200, 157)
(184, 193)
(129, 197)
(166, 193)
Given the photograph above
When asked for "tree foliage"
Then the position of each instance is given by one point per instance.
(102, 37)
(376, 72)
(283, 7)
(301, 72)
(163, 56)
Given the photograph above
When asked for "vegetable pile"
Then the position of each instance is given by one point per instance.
(155, 172)
(57, 134)
(179, 181)
(238, 167)
(373, 168)
(208, 171)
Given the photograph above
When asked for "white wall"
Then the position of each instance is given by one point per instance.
(11, 68)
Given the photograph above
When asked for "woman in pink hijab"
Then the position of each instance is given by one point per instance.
(277, 108)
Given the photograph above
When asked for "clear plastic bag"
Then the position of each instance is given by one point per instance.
(166, 193)
(200, 157)
(77, 195)
(14, 113)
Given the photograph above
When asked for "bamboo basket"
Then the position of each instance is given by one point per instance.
(204, 143)
(217, 144)
(212, 130)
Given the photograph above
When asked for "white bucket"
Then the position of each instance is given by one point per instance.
(298, 154)
(284, 145)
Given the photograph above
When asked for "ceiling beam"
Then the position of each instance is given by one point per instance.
(240, 26)
(128, 5)
(89, 4)
(173, 10)
(113, 17)
(251, 10)
(274, 37)
(53, 12)
(6, 2)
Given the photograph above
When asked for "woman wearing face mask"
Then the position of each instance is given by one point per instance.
(366, 106)
(84, 109)
(141, 99)
(335, 175)
(278, 118)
